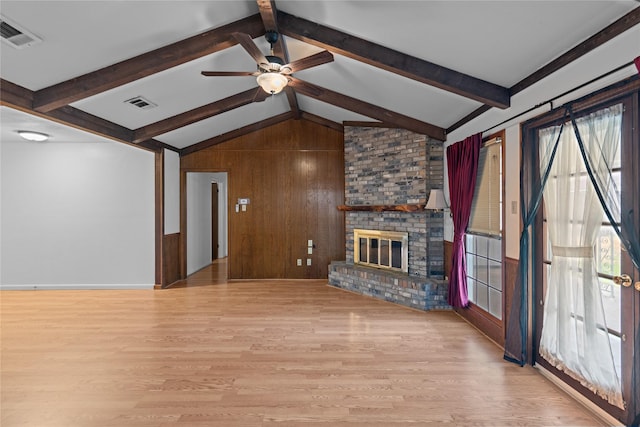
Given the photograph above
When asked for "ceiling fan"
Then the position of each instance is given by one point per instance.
(272, 73)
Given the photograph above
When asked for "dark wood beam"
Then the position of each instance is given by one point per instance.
(363, 124)
(475, 113)
(200, 113)
(236, 133)
(268, 13)
(366, 109)
(18, 97)
(293, 102)
(15, 96)
(144, 65)
(613, 30)
(394, 61)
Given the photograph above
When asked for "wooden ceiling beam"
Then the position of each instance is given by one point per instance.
(610, 32)
(268, 13)
(20, 98)
(200, 113)
(144, 65)
(613, 30)
(394, 61)
(366, 109)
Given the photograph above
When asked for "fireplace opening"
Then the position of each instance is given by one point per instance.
(382, 249)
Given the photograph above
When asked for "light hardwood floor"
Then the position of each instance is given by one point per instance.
(269, 353)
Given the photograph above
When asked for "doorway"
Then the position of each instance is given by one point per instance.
(587, 309)
(206, 203)
(215, 243)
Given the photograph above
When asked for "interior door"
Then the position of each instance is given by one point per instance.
(618, 279)
(214, 221)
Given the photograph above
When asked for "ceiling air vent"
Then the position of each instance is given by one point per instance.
(141, 102)
(15, 35)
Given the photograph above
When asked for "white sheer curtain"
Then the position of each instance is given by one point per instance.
(574, 333)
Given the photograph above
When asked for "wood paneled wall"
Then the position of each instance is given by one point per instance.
(171, 259)
(293, 174)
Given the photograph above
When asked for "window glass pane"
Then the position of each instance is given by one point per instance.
(495, 275)
(363, 249)
(608, 252)
(482, 296)
(495, 249)
(384, 252)
(611, 303)
(471, 289)
(471, 265)
(373, 255)
(396, 254)
(495, 303)
(470, 244)
(482, 270)
(482, 246)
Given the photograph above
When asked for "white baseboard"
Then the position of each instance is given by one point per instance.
(592, 407)
(95, 286)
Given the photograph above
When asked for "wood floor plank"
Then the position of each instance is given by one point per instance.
(267, 353)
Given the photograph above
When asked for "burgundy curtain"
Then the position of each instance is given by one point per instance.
(462, 163)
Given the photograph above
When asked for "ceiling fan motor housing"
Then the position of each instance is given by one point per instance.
(274, 64)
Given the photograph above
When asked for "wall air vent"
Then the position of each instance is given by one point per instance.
(141, 102)
(15, 35)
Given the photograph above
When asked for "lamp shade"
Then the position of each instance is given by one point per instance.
(272, 82)
(436, 200)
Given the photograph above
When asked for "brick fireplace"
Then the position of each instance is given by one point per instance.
(394, 168)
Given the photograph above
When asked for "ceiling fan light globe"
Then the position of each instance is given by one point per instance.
(272, 83)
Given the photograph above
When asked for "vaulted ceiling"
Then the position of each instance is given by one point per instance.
(427, 66)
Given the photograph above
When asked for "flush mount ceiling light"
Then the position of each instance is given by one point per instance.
(33, 136)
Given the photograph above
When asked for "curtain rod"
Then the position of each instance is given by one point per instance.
(550, 101)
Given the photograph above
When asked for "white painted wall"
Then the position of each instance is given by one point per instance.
(199, 218)
(607, 57)
(171, 192)
(76, 215)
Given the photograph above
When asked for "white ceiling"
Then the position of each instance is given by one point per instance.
(498, 41)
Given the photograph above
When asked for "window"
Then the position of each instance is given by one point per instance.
(484, 273)
(486, 209)
(484, 234)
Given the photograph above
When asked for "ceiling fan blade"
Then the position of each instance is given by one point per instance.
(304, 87)
(260, 95)
(247, 43)
(228, 73)
(310, 61)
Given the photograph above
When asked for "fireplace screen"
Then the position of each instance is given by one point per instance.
(381, 249)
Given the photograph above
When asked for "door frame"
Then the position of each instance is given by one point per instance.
(627, 91)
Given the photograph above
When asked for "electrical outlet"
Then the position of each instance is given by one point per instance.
(514, 207)
(310, 251)
(299, 262)
(308, 261)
